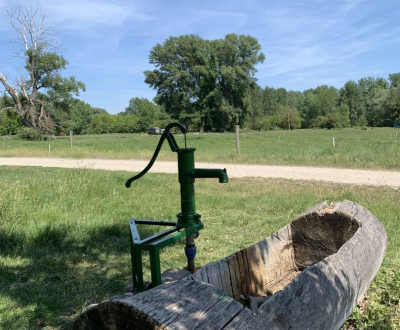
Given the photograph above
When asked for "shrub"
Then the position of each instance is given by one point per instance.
(319, 122)
(10, 122)
(330, 121)
(30, 134)
(262, 123)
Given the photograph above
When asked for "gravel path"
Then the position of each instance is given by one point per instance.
(336, 175)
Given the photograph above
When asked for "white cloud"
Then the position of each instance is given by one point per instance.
(88, 14)
(318, 39)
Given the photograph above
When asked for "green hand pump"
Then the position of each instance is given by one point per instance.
(188, 221)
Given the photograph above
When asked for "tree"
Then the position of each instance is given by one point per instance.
(103, 123)
(371, 89)
(261, 123)
(236, 57)
(344, 112)
(287, 116)
(204, 83)
(254, 104)
(42, 84)
(183, 77)
(282, 96)
(393, 105)
(73, 115)
(318, 104)
(270, 101)
(394, 79)
(147, 113)
(352, 96)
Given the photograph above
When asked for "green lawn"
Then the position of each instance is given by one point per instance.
(377, 148)
(64, 236)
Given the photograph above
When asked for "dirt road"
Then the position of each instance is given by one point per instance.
(336, 175)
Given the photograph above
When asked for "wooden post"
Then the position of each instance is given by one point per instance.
(237, 127)
(71, 139)
(333, 141)
(288, 120)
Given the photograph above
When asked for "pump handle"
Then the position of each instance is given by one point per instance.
(172, 143)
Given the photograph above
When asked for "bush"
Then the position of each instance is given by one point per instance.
(30, 134)
(262, 123)
(319, 122)
(332, 121)
(10, 122)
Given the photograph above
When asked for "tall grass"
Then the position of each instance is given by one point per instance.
(377, 148)
(64, 233)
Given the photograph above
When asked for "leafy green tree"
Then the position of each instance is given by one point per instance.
(394, 79)
(327, 99)
(352, 96)
(103, 123)
(294, 99)
(362, 121)
(147, 113)
(371, 88)
(262, 123)
(393, 105)
(253, 102)
(183, 77)
(270, 101)
(43, 66)
(126, 124)
(319, 122)
(204, 83)
(282, 96)
(236, 57)
(344, 112)
(287, 116)
(76, 116)
(378, 114)
(308, 108)
(10, 122)
(318, 102)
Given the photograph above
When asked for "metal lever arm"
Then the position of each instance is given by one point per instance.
(172, 143)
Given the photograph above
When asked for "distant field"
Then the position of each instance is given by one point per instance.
(64, 236)
(377, 148)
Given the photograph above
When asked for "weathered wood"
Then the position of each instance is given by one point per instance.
(234, 272)
(237, 129)
(339, 249)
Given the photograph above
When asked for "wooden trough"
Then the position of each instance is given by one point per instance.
(317, 268)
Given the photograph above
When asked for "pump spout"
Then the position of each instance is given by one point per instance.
(211, 173)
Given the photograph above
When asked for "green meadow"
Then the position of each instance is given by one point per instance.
(376, 148)
(64, 239)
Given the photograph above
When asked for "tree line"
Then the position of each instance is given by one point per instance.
(369, 102)
(208, 85)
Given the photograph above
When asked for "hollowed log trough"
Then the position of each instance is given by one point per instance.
(317, 268)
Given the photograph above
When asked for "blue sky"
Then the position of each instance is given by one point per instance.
(306, 42)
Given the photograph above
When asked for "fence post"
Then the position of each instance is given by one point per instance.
(237, 127)
(71, 139)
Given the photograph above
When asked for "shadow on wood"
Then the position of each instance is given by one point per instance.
(316, 268)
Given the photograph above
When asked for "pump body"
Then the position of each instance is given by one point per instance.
(188, 222)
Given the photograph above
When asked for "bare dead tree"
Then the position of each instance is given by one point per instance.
(41, 64)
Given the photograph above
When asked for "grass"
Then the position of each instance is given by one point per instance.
(64, 236)
(376, 148)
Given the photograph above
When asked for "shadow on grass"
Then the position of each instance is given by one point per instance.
(51, 276)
